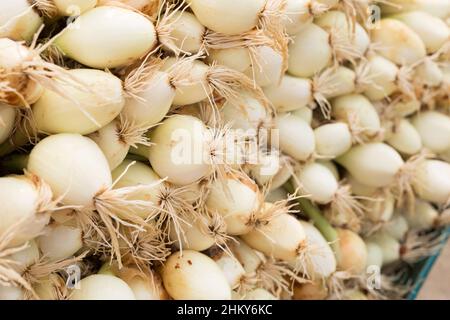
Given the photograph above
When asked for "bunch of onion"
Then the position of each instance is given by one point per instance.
(183, 276)
(343, 209)
(24, 74)
(79, 175)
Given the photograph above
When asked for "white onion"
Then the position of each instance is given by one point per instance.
(352, 252)
(432, 181)
(73, 7)
(18, 20)
(11, 293)
(438, 8)
(259, 294)
(178, 150)
(305, 113)
(296, 138)
(194, 237)
(60, 242)
(152, 102)
(400, 44)
(332, 140)
(23, 198)
(290, 94)
(268, 67)
(322, 259)
(317, 181)
(433, 31)
(227, 16)
(373, 164)
(7, 121)
(300, 13)
(249, 113)
(184, 277)
(397, 227)
(146, 285)
(429, 73)
(80, 112)
(434, 129)
(107, 37)
(249, 258)
(236, 58)
(236, 200)
(423, 217)
(73, 166)
(310, 51)
(390, 247)
(186, 34)
(383, 75)
(231, 268)
(357, 111)
(374, 255)
(283, 237)
(405, 138)
(102, 287)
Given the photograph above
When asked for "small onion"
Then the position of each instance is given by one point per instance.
(107, 37)
(184, 275)
(178, 150)
(102, 287)
(333, 140)
(434, 129)
(236, 200)
(390, 247)
(78, 111)
(400, 43)
(432, 181)
(405, 138)
(7, 120)
(227, 16)
(373, 164)
(397, 227)
(432, 30)
(352, 252)
(310, 51)
(18, 20)
(259, 294)
(296, 136)
(374, 255)
(423, 217)
(60, 242)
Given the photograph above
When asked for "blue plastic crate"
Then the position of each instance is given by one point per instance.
(422, 269)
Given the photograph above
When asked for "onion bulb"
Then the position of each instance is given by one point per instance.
(310, 51)
(374, 255)
(236, 199)
(434, 130)
(431, 181)
(227, 16)
(390, 247)
(282, 237)
(178, 150)
(78, 111)
(26, 203)
(60, 242)
(7, 121)
(102, 287)
(400, 43)
(296, 138)
(352, 252)
(432, 30)
(397, 227)
(18, 20)
(373, 164)
(146, 285)
(107, 37)
(424, 216)
(184, 275)
(405, 138)
(333, 140)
